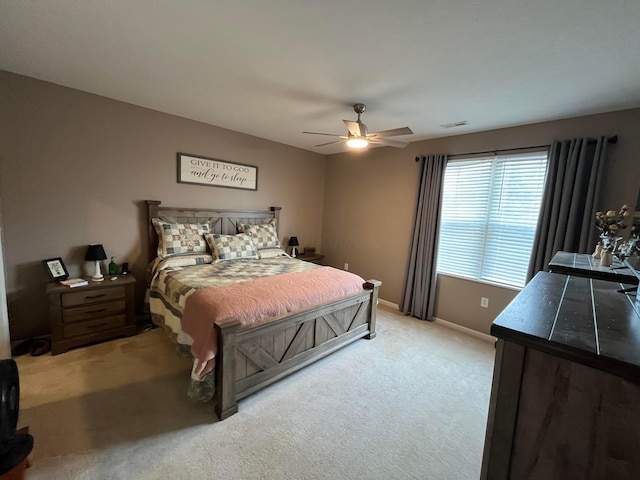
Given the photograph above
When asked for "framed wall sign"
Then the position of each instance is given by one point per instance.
(216, 173)
(56, 269)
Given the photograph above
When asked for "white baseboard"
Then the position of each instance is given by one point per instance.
(453, 326)
(389, 304)
(468, 331)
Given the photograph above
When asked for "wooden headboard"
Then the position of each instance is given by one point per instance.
(221, 221)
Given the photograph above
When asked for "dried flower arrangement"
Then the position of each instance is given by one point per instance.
(611, 222)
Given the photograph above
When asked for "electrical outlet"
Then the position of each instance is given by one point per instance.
(484, 302)
(346, 266)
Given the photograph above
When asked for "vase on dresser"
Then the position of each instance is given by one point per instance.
(606, 257)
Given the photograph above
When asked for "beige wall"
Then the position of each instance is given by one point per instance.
(75, 169)
(370, 199)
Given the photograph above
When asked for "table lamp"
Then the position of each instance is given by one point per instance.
(293, 243)
(95, 253)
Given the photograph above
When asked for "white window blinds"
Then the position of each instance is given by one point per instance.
(490, 210)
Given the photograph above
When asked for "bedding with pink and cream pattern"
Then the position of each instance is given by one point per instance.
(257, 300)
(189, 299)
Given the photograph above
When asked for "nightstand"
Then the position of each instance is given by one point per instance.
(311, 257)
(98, 311)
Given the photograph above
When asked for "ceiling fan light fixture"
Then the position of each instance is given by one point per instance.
(358, 136)
(357, 142)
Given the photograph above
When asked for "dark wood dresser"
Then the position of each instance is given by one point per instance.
(583, 265)
(98, 311)
(565, 399)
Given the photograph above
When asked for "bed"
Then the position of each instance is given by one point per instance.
(318, 310)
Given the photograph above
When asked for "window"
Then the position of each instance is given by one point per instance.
(490, 209)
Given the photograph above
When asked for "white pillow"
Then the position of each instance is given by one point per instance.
(272, 253)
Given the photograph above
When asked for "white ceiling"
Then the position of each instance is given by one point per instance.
(276, 68)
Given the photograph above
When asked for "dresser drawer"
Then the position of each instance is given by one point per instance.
(92, 296)
(93, 326)
(89, 312)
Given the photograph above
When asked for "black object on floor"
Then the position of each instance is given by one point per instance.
(14, 450)
(9, 398)
(40, 347)
(14, 447)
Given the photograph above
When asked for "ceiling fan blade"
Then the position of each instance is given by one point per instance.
(390, 143)
(393, 132)
(327, 134)
(329, 143)
(354, 128)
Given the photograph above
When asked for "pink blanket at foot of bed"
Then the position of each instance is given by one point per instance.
(256, 300)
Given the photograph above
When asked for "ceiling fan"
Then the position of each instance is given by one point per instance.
(359, 137)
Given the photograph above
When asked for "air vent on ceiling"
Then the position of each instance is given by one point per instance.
(455, 124)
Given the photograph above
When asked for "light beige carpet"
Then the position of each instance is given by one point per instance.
(410, 404)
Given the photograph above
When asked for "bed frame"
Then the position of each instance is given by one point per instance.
(253, 356)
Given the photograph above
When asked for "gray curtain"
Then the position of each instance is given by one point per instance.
(568, 203)
(420, 284)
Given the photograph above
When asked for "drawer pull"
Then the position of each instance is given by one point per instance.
(97, 311)
(89, 297)
(97, 326)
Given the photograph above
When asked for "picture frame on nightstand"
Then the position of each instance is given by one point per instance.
(56, 269)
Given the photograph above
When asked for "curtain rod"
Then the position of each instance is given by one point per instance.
(501, 150)
(613, 139)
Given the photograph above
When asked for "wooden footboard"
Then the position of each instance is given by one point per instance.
(254, 356)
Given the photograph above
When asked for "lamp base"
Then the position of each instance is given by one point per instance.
(97, 277)
(294, 252)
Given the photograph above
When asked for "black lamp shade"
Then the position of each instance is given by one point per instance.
(95, 252)
(293, 242)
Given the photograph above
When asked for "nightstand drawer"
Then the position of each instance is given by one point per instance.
(91, 313)
(92, 296)
(77, 314)
(93, 326)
